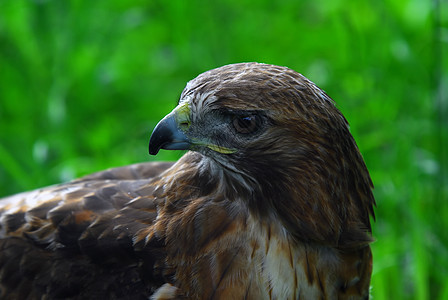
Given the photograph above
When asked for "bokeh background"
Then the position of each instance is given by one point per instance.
(83, 83)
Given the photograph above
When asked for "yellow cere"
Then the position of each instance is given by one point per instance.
(182, 112)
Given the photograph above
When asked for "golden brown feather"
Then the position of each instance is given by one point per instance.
(273, 202)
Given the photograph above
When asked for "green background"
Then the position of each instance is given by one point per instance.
(83, 83)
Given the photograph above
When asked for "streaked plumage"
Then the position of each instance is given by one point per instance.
(273, 202)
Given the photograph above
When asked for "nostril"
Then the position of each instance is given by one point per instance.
(184, 124)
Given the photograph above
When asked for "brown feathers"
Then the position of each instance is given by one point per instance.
(273, 202)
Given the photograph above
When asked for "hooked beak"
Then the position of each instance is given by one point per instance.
(167, 135)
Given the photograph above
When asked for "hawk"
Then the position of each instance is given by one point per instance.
(272, 201)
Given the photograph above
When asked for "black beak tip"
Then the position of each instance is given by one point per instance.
(153, 150)
(167, 136)
(155, 143)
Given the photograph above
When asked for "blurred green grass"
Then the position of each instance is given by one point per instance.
(82, 84)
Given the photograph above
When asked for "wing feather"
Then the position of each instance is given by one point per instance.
(59, 240)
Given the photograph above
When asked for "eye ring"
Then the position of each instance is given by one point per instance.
(246, 123)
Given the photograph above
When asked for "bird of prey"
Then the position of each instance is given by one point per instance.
(273, 200)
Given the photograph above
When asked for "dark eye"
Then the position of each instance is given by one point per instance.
(246, 124)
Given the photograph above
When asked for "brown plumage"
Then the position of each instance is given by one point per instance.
(273, 202)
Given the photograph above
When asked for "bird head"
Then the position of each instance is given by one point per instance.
(233, 112)
(276, 131)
